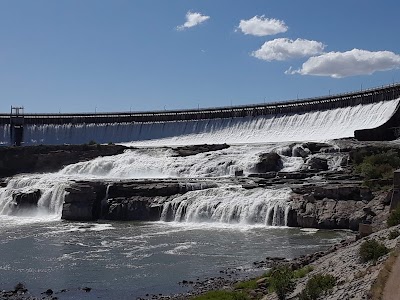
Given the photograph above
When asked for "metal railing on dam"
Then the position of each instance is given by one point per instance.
(374, 95)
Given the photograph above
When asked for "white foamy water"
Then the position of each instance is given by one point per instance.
(52, 193)
(164, 163)
(308, 126)
(312, 126)
(231, 204)
(160, 162)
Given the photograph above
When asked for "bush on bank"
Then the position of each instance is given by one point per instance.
(317, 286)
(394, 217)
(379, 165)
(281, 281)
(372, 250)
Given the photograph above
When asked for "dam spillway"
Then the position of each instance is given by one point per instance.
(367, 115)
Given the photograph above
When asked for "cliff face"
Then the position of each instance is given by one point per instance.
(39, 159)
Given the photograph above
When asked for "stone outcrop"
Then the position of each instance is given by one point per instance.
(316, 164)
(196, 149)
(82, 201)
(34, 159)
(25, 200)
(136, 208)
(334, 207)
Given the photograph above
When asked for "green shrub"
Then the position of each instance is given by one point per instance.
(281, 281)
(300, 273)
(247, 285)
(372, 250)
(393, 234)
(378, 166)
(317, 286)
(92, 142)
(221, 295)
(394, 217)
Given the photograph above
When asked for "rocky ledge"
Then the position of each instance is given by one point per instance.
(337, 206)
(129, 200)
(38, 159)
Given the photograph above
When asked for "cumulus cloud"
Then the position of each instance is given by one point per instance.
(284, 49)
(261, 26)
(349, 63)
(193, 19)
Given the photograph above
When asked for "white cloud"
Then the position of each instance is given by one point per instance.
(349, 63)
(261, 26)
(284, 49)
(193, 19)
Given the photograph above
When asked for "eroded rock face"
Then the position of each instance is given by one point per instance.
(82, 201)
(132, 209)
(337, 192)
(311, 211)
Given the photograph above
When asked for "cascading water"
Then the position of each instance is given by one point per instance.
(231, 204)
(51, 187)
(163, 163)
(315, 125)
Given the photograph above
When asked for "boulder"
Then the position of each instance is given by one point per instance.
(316, 164)
(269, 162)
(26, 200)
(300, 151)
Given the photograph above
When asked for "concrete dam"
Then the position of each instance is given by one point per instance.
(366, 115)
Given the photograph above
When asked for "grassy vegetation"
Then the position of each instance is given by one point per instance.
(280, 280)
(393, 234)
(394, 217)
(246, 285)
(222, 295)
(317, 286)
(372, 250)
(300, 273)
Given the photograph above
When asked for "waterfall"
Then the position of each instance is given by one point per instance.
(230, 204)
(51, 187)
(314, 125)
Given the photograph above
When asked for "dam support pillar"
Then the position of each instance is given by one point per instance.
(17, 126)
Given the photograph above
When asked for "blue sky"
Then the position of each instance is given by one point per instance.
(120, 55)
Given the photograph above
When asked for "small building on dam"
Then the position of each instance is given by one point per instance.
(366, 115)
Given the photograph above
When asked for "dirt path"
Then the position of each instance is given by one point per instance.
(392, 287)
